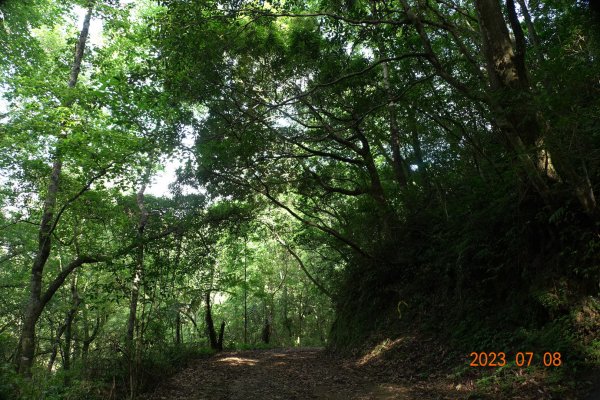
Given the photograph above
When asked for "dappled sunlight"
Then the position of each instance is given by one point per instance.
(297, 354)
(359, 200)
(378, 351)
(235, 361)
(280, 364)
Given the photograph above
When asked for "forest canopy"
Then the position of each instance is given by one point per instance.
(184, 177)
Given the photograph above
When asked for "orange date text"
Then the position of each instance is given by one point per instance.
(521, 359)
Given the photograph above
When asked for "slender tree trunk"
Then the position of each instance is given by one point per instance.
(66, 330)
(531, 32)
(319, 286)
(417, 149)
(88, 338)
(67, 350)
(131, 344)
(178, 328)
(399, 165)
(300, 317)
(178, 322)
(245, 295)
(135, 289)
(221, 334)
(35, 304)
(287, 323)
(401, 171)
(76, 353)
(55, 346)
(376, 190)
(193, 319)
(69, 327)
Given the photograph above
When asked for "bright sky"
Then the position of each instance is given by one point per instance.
(3, 103)
(162, 180)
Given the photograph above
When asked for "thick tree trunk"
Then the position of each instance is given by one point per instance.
(266, 332)
(510, 94)
(508, 77)
(512, 103)
(215, 343)
(35, 304)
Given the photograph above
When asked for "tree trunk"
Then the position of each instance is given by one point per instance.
(401, 171)
(510, 95)
(67, 349)
(512, 103)
(221, 334)
(88, 338)
(55, 346)
(210, 326)
(178, 328)
(266, 332)
(65, 329)
(69, 327)
(245, 294)
(416, 145)
(300, 317)
(531, 32)
(135, 288)
(399, 165)
(287, 322)
(35, 305)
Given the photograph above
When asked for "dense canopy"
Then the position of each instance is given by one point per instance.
(184, 177)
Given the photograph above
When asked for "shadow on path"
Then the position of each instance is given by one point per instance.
(286, 374)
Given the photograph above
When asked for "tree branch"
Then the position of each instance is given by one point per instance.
(299, 260)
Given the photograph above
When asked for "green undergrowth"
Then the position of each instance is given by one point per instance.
(503, 279)
(160, 364)
(104, 377)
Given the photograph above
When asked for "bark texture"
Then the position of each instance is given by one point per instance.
(36, 303)
(511, 101)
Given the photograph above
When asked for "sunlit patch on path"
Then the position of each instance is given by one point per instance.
(290, 374)
(237, 361)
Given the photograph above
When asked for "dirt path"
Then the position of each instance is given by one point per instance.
(407, 368)
(288, 374)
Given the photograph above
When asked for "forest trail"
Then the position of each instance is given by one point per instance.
(308, 373)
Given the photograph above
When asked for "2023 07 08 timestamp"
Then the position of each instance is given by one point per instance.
(522, 359)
